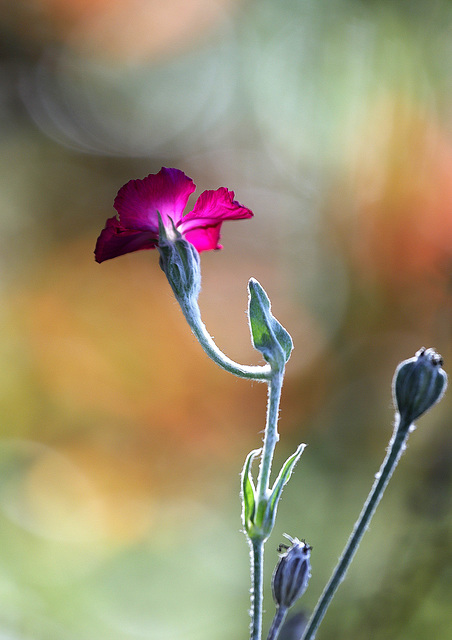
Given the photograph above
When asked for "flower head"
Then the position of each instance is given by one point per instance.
(139, 203)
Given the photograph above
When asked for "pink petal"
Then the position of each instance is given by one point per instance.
(212, 208)
(115, 241)
(138, 201)
(204, 239)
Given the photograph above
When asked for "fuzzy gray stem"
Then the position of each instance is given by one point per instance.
(270, 439)
(395, 450)
(193, 316)
(271, 434)
(257, 594)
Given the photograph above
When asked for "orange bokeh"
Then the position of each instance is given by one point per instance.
(110, 342)
(401, 224)
(132, 30)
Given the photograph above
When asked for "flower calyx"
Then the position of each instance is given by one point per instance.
(259, 512)
(179, 260)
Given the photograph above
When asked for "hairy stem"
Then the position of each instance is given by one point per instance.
(193, 316)
(395, 450)
(257, 595)
(271, 436)
(270, 439)
(274, 379)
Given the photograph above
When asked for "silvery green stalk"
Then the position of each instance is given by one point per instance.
(418, 384)
(260, 500)
(180, 262)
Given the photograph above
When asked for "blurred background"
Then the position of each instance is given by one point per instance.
(120, 442)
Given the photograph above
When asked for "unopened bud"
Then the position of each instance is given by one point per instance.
(418, 384)
(292, 573)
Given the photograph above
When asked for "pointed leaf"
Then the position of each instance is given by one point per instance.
(281, 481)
(268, 335)
(248, 491)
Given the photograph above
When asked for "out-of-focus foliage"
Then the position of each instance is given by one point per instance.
(120, 443)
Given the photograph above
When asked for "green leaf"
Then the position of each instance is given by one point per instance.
(268, 335)
(280, 483)
(248, 492)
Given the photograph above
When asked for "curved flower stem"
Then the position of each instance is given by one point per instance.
(277, 623)
(395, 450)
(193, 316)
(274, 379)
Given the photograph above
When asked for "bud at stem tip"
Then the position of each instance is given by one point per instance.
(292, 573)
(418, 384)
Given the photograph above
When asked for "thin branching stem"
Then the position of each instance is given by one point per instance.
(395, 450)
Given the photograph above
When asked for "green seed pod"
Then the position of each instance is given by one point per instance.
(292, 573)
(418, 384)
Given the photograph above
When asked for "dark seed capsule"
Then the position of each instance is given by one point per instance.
(418, 384)
(292, 573)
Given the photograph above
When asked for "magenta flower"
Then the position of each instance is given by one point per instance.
(139, 202)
